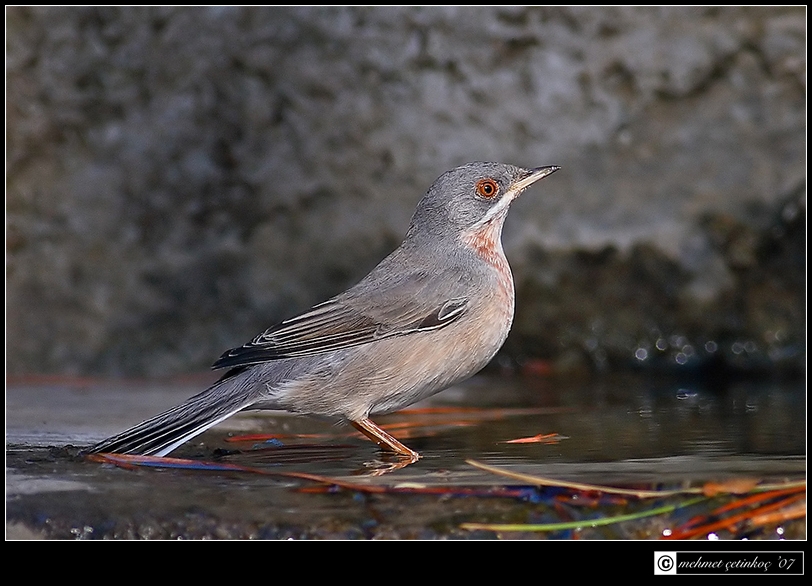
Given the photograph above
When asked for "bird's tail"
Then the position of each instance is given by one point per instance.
(163, 433)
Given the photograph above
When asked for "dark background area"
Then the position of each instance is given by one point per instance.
(179, 179)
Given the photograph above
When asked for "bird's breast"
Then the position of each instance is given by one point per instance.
(486, 243)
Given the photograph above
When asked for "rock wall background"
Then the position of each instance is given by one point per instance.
(178, 179)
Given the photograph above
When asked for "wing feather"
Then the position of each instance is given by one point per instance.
(335, 325)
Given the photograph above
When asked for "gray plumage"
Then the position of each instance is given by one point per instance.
(431, 314)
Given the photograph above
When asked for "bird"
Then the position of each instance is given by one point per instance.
(431, 314)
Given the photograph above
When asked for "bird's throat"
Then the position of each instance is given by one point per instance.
(486, 242)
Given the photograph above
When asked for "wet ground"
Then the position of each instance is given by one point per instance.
(626, 431)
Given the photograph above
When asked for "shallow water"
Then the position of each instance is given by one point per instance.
(619, 429)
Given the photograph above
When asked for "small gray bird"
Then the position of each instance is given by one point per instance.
(431, 314)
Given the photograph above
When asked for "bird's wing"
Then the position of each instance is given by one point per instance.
(338, 324)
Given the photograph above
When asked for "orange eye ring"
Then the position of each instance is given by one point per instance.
(487, 188)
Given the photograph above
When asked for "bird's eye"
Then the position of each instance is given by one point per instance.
(487, 188)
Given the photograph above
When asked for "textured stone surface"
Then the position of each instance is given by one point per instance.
(178, 179)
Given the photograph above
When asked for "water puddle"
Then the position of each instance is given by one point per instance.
(628, 431)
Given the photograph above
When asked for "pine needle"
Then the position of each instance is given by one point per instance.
(542, 481)
(584, 522)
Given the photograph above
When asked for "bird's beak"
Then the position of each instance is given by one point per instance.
(532, 176)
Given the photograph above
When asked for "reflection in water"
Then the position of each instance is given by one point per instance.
(618, 430)
(528, 421)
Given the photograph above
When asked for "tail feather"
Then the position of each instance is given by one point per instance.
(163, 433)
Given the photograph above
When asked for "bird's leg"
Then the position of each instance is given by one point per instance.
(384, 440)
